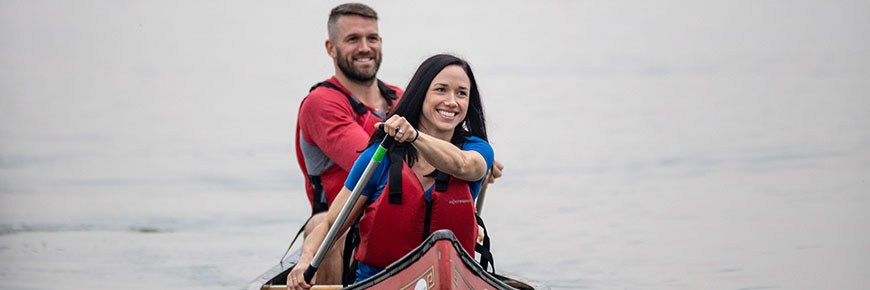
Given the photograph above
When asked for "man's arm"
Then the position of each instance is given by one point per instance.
(327, 121)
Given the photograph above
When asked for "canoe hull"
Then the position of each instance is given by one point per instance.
(438, 263)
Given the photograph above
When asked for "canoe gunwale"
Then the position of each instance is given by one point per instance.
(421, 250)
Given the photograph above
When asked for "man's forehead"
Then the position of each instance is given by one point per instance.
(356, 24)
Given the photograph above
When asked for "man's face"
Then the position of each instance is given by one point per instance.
(357, 49)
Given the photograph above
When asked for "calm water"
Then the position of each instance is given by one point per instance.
(666, 145)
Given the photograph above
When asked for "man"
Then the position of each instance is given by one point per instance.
(337, 118)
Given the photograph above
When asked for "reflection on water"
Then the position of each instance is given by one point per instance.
(647, 145)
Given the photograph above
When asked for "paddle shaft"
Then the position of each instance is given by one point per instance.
(346, 209)
(481, 195)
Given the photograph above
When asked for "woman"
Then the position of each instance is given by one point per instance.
(430, 177)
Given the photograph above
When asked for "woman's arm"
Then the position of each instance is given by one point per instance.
(446, 157)
(296, 280)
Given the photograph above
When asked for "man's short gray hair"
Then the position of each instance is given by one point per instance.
(358, 9)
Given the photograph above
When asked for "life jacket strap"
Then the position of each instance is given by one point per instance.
(349, 265)
(397, 155)
(318, 203)
(484, 249)
(441, 181)
(357, 106)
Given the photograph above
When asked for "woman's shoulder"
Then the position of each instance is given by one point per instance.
(475, 141)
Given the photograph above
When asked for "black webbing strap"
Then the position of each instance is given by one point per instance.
(387, 91)
(318, 200)
(441, 181)
(484, 249)
(427, 219)
(358, 107)
(349, 265)
(397, 156)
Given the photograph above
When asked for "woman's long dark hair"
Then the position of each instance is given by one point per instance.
(411, 104)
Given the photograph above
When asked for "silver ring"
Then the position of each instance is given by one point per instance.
(400, 131)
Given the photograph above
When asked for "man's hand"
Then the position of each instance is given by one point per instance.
(296, 278)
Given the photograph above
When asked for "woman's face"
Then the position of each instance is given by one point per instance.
(446, 102)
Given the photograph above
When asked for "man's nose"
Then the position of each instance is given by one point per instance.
(364, 47)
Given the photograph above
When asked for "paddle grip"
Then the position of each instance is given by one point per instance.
(388, 140)
(309, 273)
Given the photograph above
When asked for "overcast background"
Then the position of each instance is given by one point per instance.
(648, 145)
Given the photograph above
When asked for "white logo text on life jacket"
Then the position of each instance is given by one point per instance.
(455, 201)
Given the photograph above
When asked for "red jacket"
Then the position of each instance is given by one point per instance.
(389, 231)
(328, 121)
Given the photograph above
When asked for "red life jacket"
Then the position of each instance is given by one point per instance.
(389, 231)
(330, 181)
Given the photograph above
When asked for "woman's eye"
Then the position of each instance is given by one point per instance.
(440, 89)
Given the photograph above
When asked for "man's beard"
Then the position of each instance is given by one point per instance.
(346, 66)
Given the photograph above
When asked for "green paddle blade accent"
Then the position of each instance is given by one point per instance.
(379, 154)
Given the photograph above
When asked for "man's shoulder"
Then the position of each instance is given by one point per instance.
(334, 92)
(321, 95)
(329, 88)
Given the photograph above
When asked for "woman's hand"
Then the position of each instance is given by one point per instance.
(399, 128)
(296, 278)
(495, 172)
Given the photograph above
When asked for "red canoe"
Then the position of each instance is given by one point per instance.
(438, 263)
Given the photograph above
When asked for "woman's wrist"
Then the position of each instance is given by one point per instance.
(416, 135)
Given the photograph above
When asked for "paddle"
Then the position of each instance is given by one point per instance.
(481, 195)
(348, 206)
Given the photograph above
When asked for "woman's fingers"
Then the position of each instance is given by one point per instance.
(399, 128)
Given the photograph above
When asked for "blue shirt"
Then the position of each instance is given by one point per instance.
(378, 181)
(379, 177)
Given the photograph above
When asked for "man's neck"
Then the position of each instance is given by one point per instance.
(366, 92)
